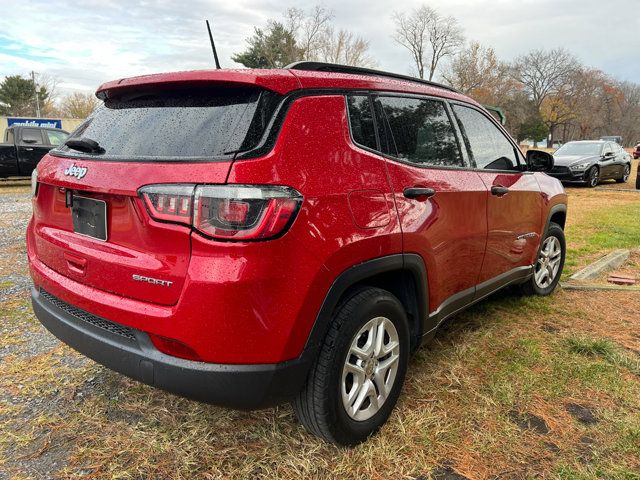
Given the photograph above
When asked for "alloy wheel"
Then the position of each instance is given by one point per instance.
(594, 176)
(370, 368)
(627, 172)
(548, 262)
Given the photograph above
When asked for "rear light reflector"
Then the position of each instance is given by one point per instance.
(226, 212)
(174, 348)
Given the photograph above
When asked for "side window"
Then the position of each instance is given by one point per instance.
(56, 138)
(32, 136)
(361, 121)
(422, 131)
(488, 146)
(8, 137)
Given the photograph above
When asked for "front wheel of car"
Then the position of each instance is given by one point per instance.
(625, 174)
(593, 177)
(357, 377)
(549, 264)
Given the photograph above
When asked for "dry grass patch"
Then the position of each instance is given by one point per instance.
(507, 390)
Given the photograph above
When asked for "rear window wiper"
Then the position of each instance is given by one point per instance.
(84, 144)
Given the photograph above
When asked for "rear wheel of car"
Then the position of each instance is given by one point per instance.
(593, 177)
(357, 377)
(548, 266)
(625, 174)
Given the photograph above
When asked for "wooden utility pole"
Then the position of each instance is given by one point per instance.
(35, 89)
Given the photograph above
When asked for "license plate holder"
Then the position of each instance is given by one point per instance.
(89, 217)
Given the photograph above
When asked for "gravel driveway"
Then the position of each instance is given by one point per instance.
(15, 210)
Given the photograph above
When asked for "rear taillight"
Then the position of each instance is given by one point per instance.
(169, 203)
(227, 212)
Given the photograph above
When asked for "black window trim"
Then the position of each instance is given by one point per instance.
(272, 131)
(522, 163)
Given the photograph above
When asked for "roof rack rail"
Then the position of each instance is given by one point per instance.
(337, 68)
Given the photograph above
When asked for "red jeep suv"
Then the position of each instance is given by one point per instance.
(248, 237)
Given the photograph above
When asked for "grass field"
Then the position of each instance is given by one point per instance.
(513, 388)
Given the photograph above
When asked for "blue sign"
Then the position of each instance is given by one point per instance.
(35, 122)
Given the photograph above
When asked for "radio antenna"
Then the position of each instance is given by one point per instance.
(213, 46)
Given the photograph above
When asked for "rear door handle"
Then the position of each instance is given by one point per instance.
(29, 149)
(419, 192)
(499, 190)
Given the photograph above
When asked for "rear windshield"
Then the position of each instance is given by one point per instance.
(193, 124)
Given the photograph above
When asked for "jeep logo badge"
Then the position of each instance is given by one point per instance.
(74, 171)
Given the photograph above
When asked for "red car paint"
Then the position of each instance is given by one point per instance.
(256, 302)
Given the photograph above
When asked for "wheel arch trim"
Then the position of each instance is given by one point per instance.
(409, 263)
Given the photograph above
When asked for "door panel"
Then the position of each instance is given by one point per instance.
(514, 206)
(447, 223)
(448, 230)
(30, 153)
(608, 166)
(513, 222)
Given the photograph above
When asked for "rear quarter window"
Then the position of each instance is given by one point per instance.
(193, 124)
(361, 121)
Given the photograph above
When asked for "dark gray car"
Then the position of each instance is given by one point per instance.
(591, 161)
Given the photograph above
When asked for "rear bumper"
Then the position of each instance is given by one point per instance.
(130, 352)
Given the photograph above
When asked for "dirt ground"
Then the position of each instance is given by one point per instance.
(513, 388)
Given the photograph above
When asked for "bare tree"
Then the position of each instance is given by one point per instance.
(429, 37)
(629, 126)
(345, 48)
(309, 29)
(476, 71)
(543, 72)
(78, 105)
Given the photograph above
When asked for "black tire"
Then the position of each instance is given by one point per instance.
(319, 406)
(625, 174)
(638, 180)
(593, 177)
(531, 287)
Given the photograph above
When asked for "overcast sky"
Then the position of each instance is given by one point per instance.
(83, 44)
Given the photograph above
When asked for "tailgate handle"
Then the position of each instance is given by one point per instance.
(75, 264)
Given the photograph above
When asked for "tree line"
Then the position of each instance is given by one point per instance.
(24, 97)
(545, 94)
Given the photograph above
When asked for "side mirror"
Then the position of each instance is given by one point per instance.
(539, 161)
(608, 155)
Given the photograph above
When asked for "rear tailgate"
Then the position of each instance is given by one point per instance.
(184, 134)
(136, 245)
